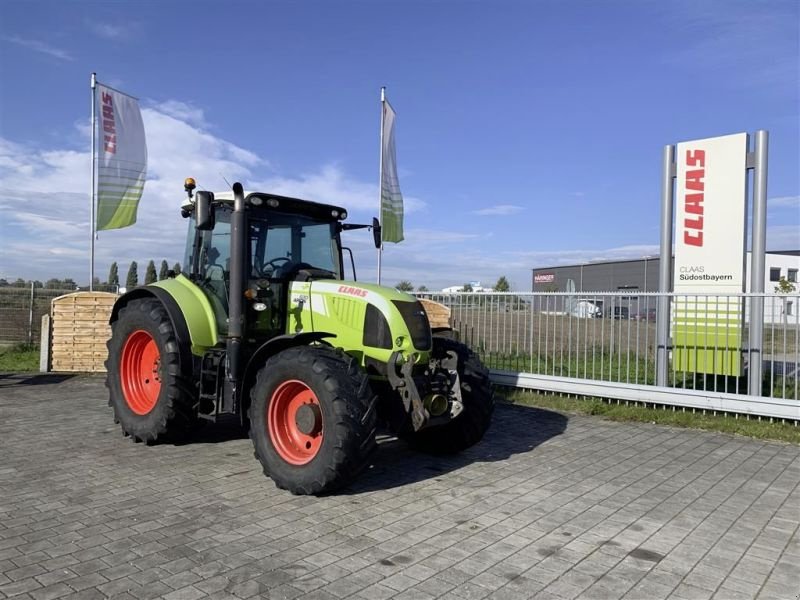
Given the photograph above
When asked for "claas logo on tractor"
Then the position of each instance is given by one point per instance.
(263, 325)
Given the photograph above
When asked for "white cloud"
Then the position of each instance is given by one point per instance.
(109, 31)
(784, 202)
(38, 46)
(333, 186)
(499, 210)
(44, 197)
(783, 237)
(183, 111)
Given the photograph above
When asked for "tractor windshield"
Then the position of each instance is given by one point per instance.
(282, 244)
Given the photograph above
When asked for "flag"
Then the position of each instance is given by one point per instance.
(391, 197)
(121, 158)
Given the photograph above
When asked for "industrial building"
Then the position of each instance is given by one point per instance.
(642, 274)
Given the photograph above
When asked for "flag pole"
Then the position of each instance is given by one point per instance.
(92, 195)
(380, 184)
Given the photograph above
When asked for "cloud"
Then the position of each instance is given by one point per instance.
(499, 210)
(758, 42)
(183, 111)
(45, 204)
(333, 186)
(38, 46)
(783, 237)
(784, 202)
(109, 31)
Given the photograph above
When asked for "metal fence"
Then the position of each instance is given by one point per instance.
(604, 344)
(21, 310)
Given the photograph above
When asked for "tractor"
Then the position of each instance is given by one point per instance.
(261, 324)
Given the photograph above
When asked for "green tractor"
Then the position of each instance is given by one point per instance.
(262, 325)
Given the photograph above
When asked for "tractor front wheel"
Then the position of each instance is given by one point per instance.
(312, 419)
(150, 395)
(477, 396)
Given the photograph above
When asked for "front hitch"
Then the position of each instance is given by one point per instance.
(401, 379)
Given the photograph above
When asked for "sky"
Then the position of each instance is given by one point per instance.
(529, 133)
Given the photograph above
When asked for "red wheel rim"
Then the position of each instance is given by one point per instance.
(140, 368)
(294, 422)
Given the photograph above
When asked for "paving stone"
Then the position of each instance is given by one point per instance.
(546, 506)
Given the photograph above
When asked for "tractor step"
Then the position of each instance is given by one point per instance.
(211, 378)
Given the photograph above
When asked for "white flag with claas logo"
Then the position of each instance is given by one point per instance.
(391, 198)
(121, 158)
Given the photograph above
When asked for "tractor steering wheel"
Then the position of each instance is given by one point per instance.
(274, 264)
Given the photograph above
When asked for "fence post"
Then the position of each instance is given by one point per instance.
(757, 259)
(664, 266)
(44, 348)
(30, 318)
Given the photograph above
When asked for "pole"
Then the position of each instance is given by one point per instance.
(94, 186)
(380, 186)
(757, 260)
(665, 265)
(30, 318)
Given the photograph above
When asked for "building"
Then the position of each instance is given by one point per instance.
(642, 275)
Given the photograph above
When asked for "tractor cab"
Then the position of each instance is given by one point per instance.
(287, 240)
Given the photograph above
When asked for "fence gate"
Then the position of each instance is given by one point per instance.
(80, 330)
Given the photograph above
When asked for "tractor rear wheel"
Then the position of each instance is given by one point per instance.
(150, 395)
(467, 428)
(312, 419)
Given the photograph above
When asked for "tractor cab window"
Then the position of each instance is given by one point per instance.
(284, 244)
(214, 266)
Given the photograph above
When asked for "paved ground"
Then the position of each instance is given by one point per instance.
(545, 507)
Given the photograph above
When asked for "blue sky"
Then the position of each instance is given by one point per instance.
(529, 134)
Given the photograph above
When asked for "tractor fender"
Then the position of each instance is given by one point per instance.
(175, 316)
(268, 349)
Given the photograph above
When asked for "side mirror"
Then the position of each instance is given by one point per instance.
(376, 232)
(204, 210)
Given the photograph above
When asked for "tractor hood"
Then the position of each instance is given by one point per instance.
(365, 317)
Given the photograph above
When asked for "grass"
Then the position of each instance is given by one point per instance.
(19, 358)
(724, 423)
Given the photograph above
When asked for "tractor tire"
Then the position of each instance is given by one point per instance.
(151, 397)
(467, 428)
(312, 419)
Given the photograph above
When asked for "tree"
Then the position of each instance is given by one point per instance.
(467, 287)
(3, 282)
(133, 276)
(502, 285)
(405, 286)
(162, 272)
(20, 282)
(784, 288)
(422, 288)
(150, 275)
(177, 268)
(113, 274)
